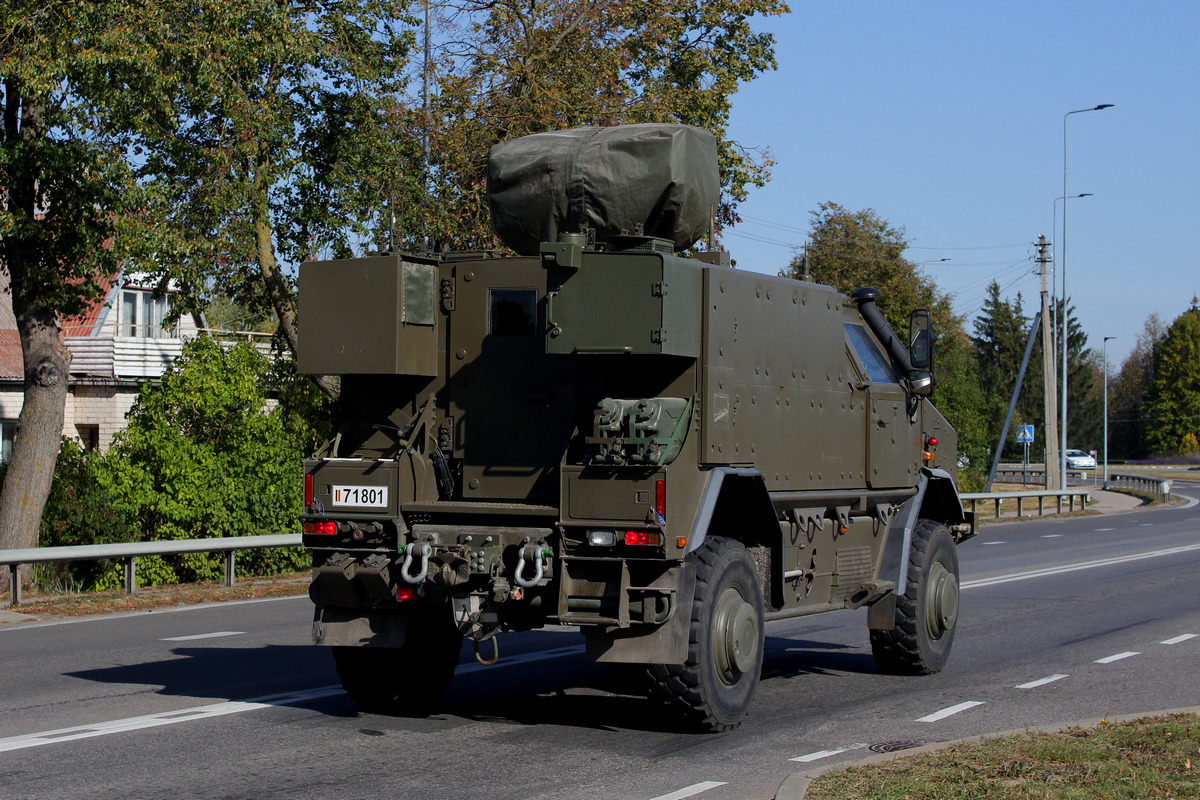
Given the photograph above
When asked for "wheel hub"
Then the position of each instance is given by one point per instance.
(941, 601)
(735, 636)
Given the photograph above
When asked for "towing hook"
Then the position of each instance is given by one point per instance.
(495, 653)
(426, 551)
(538, 564)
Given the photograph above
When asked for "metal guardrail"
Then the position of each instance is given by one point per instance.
(1034, 474)
(230, 545)
(1140, 483)
(1039, 494)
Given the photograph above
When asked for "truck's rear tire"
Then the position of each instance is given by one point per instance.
(713, 689)
(927, 612)
(403, 681)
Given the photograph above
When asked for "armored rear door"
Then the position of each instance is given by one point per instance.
(892, 439)
(511, 406)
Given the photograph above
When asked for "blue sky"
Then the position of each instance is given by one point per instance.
(947, 119)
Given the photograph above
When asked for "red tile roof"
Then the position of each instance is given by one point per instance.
(83, 324)
(11, 363)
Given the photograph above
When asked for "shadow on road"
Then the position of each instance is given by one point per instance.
(566, 690)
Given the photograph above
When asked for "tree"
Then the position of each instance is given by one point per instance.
(287, 138)
(512, 68)
(65, 196)
(1130, 389)
(1174, 404)
(1001, 335)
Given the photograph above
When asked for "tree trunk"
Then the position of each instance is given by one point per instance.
(277, 286)
(40, 425)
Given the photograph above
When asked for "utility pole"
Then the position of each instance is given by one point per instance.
(1050, 375)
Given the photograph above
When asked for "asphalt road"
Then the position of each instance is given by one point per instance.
(1061, 619)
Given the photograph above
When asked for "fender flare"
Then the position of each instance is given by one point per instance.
(936, 498)
(757, 511)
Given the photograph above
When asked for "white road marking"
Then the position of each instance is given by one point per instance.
(1041, 681)
(1117, 657)
(694, 789)
(163, 718)
(1103, 530)
(193, 637)
(1052, 536)
(1178, 639)
(951, 711)
(1104, 562)
(994, 542)
(817, 756)
(1146, 525)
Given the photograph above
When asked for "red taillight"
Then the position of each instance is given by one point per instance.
(322, 528)
(643, 537)
(308, 490)
(404, 593)
(660, 498)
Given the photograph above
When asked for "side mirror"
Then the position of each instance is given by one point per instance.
(921, 336)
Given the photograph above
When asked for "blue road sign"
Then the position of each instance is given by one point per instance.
(1025, 434)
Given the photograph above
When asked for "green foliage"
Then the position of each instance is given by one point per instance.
(1130, 394)
(1174, 391)
(81, 511)
(203, 456)
(519, 68)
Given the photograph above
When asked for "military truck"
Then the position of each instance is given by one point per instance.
(598, 432)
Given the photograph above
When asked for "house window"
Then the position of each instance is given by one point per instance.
(8, 432)
(142, 314)
(89, 437)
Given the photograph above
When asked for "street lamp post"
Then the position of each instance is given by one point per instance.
(1104, 360)
(1062, 454)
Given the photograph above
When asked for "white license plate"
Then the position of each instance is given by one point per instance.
(360, 496)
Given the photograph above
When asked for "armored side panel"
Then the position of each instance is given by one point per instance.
(375, 315)
(778, 390)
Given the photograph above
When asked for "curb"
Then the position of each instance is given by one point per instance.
(795, 785)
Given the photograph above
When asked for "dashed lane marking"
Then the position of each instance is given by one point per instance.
(164, 718)
(1117, 657)
(994, 542)
(1042, 681)
(689, 791)
(195, 636)
(951, 711)
(817, 756)
(1053, 536)
(1178, 639)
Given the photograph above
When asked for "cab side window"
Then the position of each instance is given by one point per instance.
(877, 366)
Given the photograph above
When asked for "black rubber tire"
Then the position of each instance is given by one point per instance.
(927, 612)
(714, 688)
(404, 681)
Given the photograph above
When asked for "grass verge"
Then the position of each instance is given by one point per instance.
(1152, 757)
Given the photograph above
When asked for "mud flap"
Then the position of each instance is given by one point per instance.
(643, 644)
(359, 627)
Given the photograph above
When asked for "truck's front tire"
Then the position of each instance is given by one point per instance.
(715, 686)
(927, 612)
(407, 680)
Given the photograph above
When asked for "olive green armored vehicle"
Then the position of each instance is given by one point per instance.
(662, 451)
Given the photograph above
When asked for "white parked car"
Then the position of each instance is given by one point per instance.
(1077, 459)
